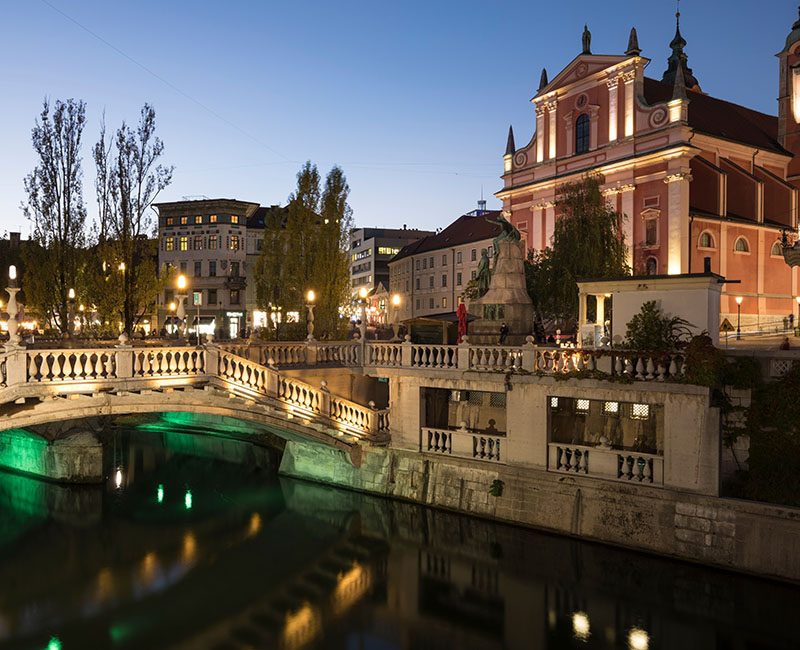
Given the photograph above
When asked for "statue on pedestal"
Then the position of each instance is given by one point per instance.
(508, 233)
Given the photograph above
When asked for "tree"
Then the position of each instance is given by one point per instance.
(588, 242)
(56, 209)
(129, 179)
(652, 331)
(306, 248)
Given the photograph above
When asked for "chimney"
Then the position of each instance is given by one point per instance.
(13, 239)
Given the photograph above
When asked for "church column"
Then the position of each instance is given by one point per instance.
(628, 79)
(536, 227)
(612, 108)
(551, 109)
(761, 254)
(678, 222)
(549, 222)
(594, 128)
(627, 224)
(540, 133)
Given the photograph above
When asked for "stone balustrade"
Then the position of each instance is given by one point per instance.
(606, 463)
(464, 444)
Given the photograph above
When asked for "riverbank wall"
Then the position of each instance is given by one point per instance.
(744, 536)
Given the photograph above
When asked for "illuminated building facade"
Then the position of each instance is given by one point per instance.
(705, 184)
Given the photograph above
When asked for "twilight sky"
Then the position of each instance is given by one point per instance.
(411, 98)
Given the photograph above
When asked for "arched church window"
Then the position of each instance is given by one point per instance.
(582, 134)
(706, 240)
(741, 246)
(777, 250)
(651, 267)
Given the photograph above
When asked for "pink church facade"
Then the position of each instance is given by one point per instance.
(704, 184)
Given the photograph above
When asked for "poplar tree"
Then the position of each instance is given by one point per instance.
(588, 243)
(56, 210)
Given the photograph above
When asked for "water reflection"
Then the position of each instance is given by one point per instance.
(262, 562)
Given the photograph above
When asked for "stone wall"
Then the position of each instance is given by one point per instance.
(76, 458)
(749, 537)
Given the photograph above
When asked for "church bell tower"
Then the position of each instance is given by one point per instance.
(789, 100)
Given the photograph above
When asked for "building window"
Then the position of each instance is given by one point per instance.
(474, 274)
(431, 261)
(212, 219)
(706, 240)
(234, 296)
(170, 243)
(234, 242)
(458, 279)
(212, 296)
(198, 243)
(430, 282)
(417, 265)
(170, 221)
(198, 269)
(184, 220)
(417, 303)
(651, 266)
(651, 232)
(430, 303)
(212, 268)
(406, 286)
(777, 250)
(458, 257)
(424, 263)
(444, 260)
(183, 267)
(741, 246)
(473, 254)
(198, 219)
(235, 269)
(582, 134)
(213, 241)
(444, 303)
(184, 243)
(234, 218)
(259, 244)
(444, 280)
(385, 250)
(417, 284)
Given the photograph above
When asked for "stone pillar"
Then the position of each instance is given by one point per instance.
(463, 354)
(124, 362)
(540, 133)
(678, 222)
(406, 352)
(16, 367)
(536, 227)
(549, 223)
(627, 224)
(630, 115)
(551, 109)
(612, 85)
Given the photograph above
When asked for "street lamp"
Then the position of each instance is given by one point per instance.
(395, 323)
(310, 306)
(362, 294)
(81, 309)
(738, 317)
(71, 313)
(181, 307)
(197, 298)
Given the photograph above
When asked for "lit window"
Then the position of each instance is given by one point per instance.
(234, 296)
(184, 243)
(170, 221)
(553, 402)
(444, 303)
(741, 246)
(170, 243)
(582, 134)
(198, 219)
(198, 243)
(184, 220)
(212, 219)
(212, 241)
(611, 408)
(234, 218)
(582, 405)
(234, 242)
(640, 411)
(385, 250)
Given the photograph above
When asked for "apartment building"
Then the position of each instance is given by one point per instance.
(370, 252)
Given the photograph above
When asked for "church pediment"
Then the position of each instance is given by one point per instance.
(581, 67)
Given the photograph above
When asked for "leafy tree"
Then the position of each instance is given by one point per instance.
(129, 179)
(56, 209)
(652, 331)
(588, 242)
(306, 248)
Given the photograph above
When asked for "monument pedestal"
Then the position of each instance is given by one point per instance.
(506, 301)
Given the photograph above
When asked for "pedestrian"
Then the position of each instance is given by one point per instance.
(503, 332)
(785, 344)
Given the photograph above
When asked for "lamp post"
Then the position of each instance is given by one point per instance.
(81, 309)
(738, 317)
(310, 306)
(14, 339)
(197, 298)
(181, 308)
(362, 302)
(395, 323)
(70, 314)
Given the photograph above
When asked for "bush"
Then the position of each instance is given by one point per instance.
(651, 331)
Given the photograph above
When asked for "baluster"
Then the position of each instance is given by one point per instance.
(436, 441)
(617, 366)
(629, 462)
(182, 362)
(577, 360)
(673, 368)
(578, 460)
(639, 374)
(497, 449)
(650, 369)
(137, 363)
(56, 368)
(648, 471)
(169, 363)
(67, 367)
(237, 371)
(662, 371)
(491, 448)
(109, 365)
(430, 439)
(78, 366)
(628, 367)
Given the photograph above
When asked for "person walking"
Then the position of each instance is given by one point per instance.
(503, 332)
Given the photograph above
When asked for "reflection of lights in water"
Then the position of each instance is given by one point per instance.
(187, 500)
(160, 493)
(552, 619)
(350, 587)
(300, 627)
(149, 567)
(255, 524)
(580, 626)
(118, 478)
(638, 639)
(105, 584)
(189, 548)
(55, 644)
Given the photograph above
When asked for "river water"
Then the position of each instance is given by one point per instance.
(195, 542)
